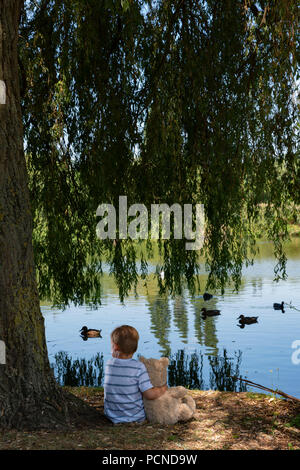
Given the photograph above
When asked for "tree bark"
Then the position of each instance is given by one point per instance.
(29, 394)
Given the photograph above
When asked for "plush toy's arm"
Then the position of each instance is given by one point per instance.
(177, 392)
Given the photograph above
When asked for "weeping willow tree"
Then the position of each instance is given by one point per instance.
(174, 101)
(165, 101)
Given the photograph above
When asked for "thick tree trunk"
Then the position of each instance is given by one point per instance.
(29, 395)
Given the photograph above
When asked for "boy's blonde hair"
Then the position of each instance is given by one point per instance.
(126, 337)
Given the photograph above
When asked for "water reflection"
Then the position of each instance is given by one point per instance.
(184, 369)
(163, 311)
(170, 324)
(257, 286)
(78, 372)
(180, 317)
(224, 371)
(205, 329)
(160, 313)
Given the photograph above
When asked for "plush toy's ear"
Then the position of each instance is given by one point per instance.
(142, 359)
(165, 361)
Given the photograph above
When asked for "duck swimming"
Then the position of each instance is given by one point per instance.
(278, 306)
(247, 320)
(91, 333)
(207, 296)
(210, 313)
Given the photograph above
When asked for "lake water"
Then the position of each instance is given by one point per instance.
(167, 325)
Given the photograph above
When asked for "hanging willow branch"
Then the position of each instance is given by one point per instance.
(163, 101)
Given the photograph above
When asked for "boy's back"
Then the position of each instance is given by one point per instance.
(125, 381)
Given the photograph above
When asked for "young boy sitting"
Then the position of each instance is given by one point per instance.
(126, 379)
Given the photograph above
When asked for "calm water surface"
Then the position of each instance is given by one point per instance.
(167, 325)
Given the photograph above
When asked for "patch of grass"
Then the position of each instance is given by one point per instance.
(294, 230)
(256, 396)
(295, 422)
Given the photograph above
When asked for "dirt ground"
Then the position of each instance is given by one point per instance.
(224, 420)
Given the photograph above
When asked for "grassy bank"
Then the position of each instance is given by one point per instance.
(224, 420)
(292, 218)
(294, 230)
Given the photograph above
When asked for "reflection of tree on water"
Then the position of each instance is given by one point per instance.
(78, 372)
(180, 317)
(223, 369)
(205, 330)
(160, 321)
(187, 370)
(184, 369)
(161, 316)
(257, 286)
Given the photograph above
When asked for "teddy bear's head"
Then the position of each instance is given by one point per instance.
(157, 370)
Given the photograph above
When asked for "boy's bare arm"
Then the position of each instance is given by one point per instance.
(155, 392)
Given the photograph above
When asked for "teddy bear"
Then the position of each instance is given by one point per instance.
(175, 404)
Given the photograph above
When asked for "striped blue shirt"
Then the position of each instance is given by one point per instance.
(124, 382)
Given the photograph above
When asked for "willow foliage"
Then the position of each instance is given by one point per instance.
(163, 101)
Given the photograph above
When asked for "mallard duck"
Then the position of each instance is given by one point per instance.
(210, 313)
(207, 296)
(91, 333)
(247, 320)
(278, 306)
